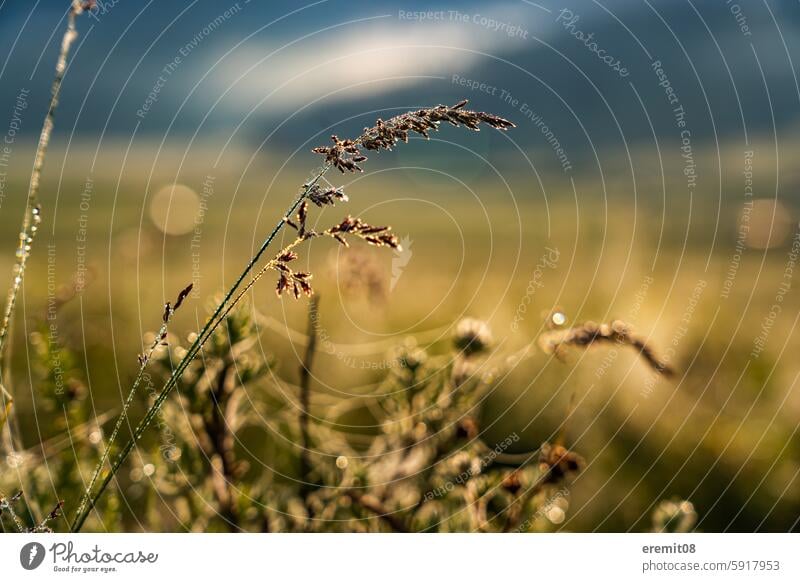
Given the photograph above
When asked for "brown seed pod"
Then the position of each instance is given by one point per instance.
(345, 155)
(590, 333)
(511, 482)
(558, 463)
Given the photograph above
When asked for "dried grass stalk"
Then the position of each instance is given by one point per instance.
(590, 333)
(33, 210)
(344, 155)
(87, 503)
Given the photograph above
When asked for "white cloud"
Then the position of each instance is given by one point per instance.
(367, 58)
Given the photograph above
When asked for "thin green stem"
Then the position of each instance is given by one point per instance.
(211, 324)
(83, 507)
(6, 505)
(344, 155)
(305, 398)
(32, 217)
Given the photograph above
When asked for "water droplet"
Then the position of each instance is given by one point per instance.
(342, 462)
(556, 515)
(559, 318)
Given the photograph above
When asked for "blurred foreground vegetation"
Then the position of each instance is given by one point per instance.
(386, 412)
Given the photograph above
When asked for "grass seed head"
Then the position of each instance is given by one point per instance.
(558, 463)
(345, 155)
(591, 333)
(472, 336)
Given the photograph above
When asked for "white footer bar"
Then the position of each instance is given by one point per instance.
(401, 557)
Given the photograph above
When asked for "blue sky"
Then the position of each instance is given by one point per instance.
(294, 67)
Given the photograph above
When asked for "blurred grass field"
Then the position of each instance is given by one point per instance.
(722, 433)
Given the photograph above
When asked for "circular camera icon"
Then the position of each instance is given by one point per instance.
(31, 555)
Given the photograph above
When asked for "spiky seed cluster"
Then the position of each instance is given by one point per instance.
(326, 196)
(385, 134)
(589, 333)
(411, 357)
(55, 512)
(298, 282)
(170, 309)
(674, 516)
(558, 463)
(511, 482)
(345, 155)
(374, 235)
(42, 527)
(472, 336)
(85, 5)
(299, 222)
(467, 428)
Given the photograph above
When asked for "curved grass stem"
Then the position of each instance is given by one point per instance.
(230, 299)
(83, 507)
(344, 155)
(32, 217)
